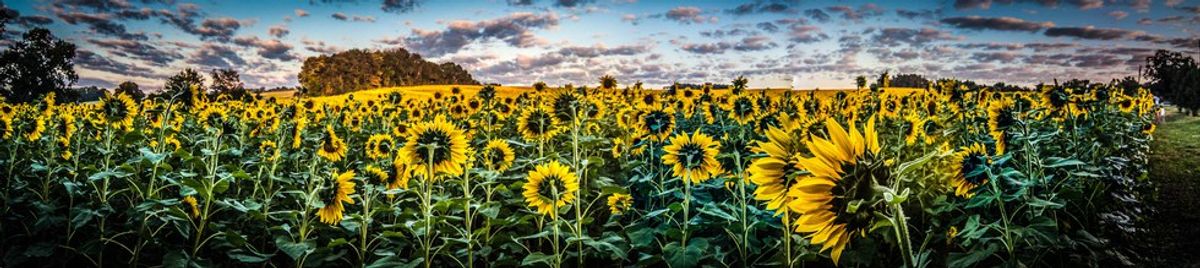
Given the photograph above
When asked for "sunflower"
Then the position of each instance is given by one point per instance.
(64, 145)
(537, 123)
(550, 186)
(6, 129)
(1126, 104)
(1001, 116)
(378, 173)
(889, 107)
(298, 132)
(1149, 128)
(618, 203)
(497, 155)
(693, 157)
(657, 124)
(437, 146)
(269, 150)
(914, 127)
(402, 174)
(969, 167)
(332, 147)
(771, 174)
(340, 193)
(33, 129)
(66, 126)
(742, 109)
(194, 206)
(618, 146)
(379, 146)
(118, 110)
(837, 200)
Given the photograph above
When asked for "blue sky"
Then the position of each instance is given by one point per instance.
(802, 44)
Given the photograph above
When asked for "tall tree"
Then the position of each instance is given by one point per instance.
(227, 81)
(739, 84)
(36, 65)
(1174, 77)
(130, 88)
(861, 82)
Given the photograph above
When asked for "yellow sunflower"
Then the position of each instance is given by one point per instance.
(657, 124)
(438, 146)
(339, 193)
(550, 186)
(6, 129)
(118, 110)
(332, 147)
(537, 123)
(742, 109)
(693, 157)
(773, 173)
(379, 146)
(497, 155)
(618, 203)
(837, 200)
(33, 129)
(914, 127)
(969, 174)
(1002, 115)
(268, 150)
(193, 205)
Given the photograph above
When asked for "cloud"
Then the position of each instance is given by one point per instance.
(400, 6)
(857, 15)
(270, 48)
(184, 18)
(687, 15)
(301, 13)
(601, 50)
(516, 29)
(520, 2)
(996, 23)
(1003, 57)
(572, 3)
(278, 30)
(101, 24)
(817, 15)
(1118, 14)
(758, 7)
(806, 34)
(913, 37)
(986, 4)
(320, 47)
(1092, 33)
(136, 50)
(707, 48)
(918, 14)
(767, 27)
(90, 60)
(343, 17)
(630, 18)
(212, 55)
(750, 43)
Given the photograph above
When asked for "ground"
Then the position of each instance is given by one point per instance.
(1173, 233)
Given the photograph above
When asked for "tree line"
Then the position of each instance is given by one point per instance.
(360, 69)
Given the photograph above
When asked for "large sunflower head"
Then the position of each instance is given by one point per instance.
(438, 146)
(538, 123)
(1002, 115)
(969, 164)
(914, 128)
(338, 193)
(118, 110)
(774, 173)
(837, 198)
(550, 186)
(332, 147)
(657, 124)
(497, 155)
(742, 109)
(693, 157)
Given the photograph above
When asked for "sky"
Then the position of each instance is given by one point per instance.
(776, 44)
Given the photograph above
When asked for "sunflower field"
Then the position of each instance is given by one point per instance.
(574, 177)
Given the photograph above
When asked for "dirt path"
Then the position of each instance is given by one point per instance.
(1173, 229)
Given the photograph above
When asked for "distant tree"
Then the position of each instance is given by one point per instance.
(885, 80)
(861, 81)
(608, 82)
(36, 65)
(539, 86)
(227, 82)
(909, 80)
(181, 85)
(359, 69)
(739, 84)
(130, 88)
(637, 85)
(1174, 77)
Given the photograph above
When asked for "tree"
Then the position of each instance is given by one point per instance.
(885, 80)
(181, 84)
(739, 84)
(36, 65)
(228, 82)
(608, 82)
(539, 86)
(130, 88)
(909, 80)
(861, 81)
(1174, 77)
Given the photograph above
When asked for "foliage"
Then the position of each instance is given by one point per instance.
(227, 82)
(358, 69)
(696, 177)
(910, 80)
(130, 88)
(38, 64)
(1174, 77)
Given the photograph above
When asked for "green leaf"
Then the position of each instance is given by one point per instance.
(1053, 162)
(537, 257)
(970, 258)
(712, 210)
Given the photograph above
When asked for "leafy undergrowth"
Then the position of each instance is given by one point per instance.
(1172, 235)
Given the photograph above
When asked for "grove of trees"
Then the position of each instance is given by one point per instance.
(1174, 77)
(37, 64)
(359, 69)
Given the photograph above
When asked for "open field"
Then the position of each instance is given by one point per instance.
(946, 177)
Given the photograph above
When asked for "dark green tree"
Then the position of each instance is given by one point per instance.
(130, 88)
(1174, 77)
(36, 65)
(861, 82)
(739, 84)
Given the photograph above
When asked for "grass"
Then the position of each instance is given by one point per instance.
(1172, 234)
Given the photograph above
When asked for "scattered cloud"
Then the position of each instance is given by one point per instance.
(996, 23)
(516, 29)
(1092, 33)
(688, 15)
